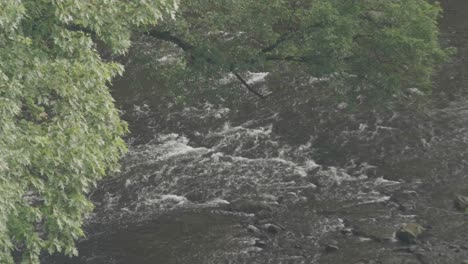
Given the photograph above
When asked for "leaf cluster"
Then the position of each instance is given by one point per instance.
(60, 132)
(381, 48)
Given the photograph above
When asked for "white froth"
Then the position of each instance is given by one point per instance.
(174, 198)
(256, 77)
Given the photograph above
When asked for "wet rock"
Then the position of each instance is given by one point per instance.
(288, 197)
(195, 196)
(407, 206)
(461, 203)
(264, 214)
(273, 229)
(260, 243)
(409, 233)
(346, 231)
(454, 246)
(312, 171)
(331, 248)
(269, 198)
(405, 200)
(253, 229)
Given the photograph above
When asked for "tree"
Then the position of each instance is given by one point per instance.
(381, 48)
(60, 132)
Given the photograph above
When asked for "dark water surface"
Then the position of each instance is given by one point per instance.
(257, 182)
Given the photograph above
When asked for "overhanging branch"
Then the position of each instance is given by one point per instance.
(301, 59)
(276, 44)
(167, 36)
(247, 85)
(185, 46)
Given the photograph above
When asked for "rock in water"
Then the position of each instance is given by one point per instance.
(260, 243)
(331, 248)
(408, 233)
(273, 229)
(253, 229)
(461, 203)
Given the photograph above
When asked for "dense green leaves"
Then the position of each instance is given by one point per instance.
(382, 48)
(60, 132)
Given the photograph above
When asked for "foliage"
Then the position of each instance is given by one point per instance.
(60, 132)
(381, 48)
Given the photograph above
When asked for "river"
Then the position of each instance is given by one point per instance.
(257, 181)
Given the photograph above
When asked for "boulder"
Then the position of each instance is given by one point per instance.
(253, 229)
(272, 228)
(260, 243)
(408, 233)
(461, 203)
(331, 248)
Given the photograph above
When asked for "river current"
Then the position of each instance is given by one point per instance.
(258, 182)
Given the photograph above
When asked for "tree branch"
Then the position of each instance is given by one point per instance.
(167, 36)
(273, 46)
(252, 90)
(185, 46)
(302, 59)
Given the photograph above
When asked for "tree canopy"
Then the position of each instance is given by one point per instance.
(60, 132)
(380, 47)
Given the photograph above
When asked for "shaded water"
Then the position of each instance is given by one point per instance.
(259, 184)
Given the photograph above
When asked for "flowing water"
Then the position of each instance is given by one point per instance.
(257, 182)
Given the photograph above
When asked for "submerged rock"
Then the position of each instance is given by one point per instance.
(253, 229)
(272, 228)
(331, 248)
(260, 243)
(346, 231)
(409, 233)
